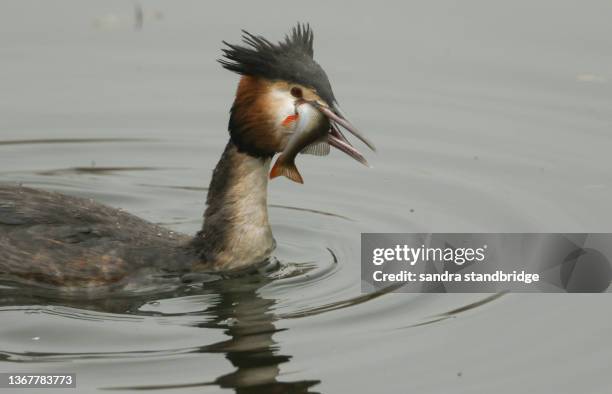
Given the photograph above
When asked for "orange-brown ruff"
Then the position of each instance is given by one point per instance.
(252, 110)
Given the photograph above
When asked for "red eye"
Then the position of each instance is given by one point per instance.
(296, 92)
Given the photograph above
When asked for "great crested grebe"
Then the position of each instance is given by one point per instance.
(61, 240)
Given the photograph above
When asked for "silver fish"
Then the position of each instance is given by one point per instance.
(309, 136)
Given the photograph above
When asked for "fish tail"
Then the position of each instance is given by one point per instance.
(287, 169)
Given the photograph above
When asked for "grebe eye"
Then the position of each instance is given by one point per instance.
(296, 92)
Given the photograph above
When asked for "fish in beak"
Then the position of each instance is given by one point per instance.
(317, 127)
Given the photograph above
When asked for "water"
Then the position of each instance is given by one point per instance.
(488, 117)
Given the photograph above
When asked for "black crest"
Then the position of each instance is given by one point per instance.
(289, 60)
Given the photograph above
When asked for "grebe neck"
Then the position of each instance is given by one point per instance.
(236, 232)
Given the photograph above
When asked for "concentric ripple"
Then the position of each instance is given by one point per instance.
(313, 280)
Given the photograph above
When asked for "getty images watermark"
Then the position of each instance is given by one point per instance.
(485, 263)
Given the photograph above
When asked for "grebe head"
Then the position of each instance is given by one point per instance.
(276, 80)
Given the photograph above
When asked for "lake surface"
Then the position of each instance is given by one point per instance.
(487, 118)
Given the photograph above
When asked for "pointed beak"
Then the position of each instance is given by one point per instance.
(337, 139)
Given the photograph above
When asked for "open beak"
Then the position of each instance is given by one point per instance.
(337, 139)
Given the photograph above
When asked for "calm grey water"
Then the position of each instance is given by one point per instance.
(488, 117)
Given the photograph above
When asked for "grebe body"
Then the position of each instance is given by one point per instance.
(60, 240)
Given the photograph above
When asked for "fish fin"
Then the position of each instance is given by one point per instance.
(286, 169)
(317, 148)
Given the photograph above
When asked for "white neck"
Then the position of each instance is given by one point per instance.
(236, 232)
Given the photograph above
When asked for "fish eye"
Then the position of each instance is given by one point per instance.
(296, 92)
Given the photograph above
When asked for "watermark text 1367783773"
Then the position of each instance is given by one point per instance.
(37, 380)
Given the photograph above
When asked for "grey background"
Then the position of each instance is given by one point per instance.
(488, 116)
